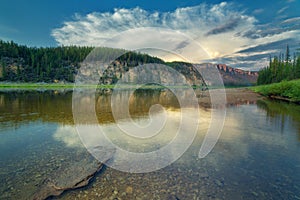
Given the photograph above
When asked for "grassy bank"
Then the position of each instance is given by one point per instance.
(50, 86)
(285, 90)
(6, 85)
(47, 86)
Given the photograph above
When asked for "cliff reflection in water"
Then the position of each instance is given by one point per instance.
(56, 106)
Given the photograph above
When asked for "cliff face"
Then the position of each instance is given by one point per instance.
(234, 76)
(175, 73)
(125, 71)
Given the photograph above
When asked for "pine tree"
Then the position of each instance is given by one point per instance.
(280, 68)
(287, 54)
(3, 70)
(18, 73)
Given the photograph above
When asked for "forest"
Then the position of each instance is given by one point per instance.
(19, 63)
(281, 67)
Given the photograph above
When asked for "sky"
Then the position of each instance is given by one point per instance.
(241, 34)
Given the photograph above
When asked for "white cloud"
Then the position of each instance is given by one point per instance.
(282, 10)
(220, 29)
(106, 25)
(258, 11)
(291, 20)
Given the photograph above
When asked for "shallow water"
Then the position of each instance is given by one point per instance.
(256, 157)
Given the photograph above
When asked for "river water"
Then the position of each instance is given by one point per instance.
(256, 157)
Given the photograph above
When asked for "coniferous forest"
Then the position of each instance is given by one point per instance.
(19, 63)
(28, 64)
(281, 67)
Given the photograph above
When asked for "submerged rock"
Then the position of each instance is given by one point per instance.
(219, 183)
(75, 174)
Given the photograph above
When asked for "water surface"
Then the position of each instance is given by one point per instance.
(256, 157)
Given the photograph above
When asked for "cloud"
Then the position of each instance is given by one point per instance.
(257, 55)
(97, 27)
(222, 30)
(282, 10)
(292, 20)
(258, 11)
(264, 47)
(272, 29)
(182, 45)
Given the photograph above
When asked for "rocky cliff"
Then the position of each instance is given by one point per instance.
(234, 76)
(127, 72)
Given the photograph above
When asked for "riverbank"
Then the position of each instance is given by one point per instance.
(285, 90)
(49, 86)
(234, 97)
(29, 86)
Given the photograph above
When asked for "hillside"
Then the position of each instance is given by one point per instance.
(60, 64)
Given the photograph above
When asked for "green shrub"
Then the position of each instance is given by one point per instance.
(287, 89)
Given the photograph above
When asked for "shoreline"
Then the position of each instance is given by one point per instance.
(234, 97)
(288, 91)
(46, 86)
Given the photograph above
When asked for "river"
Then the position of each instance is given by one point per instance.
(256, 156)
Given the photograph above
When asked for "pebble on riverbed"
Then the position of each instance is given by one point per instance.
(129, 190)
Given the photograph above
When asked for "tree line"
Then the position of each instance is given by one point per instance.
(281, 67)
(19, 63)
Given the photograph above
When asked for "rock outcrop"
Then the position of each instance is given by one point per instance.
(234, 76)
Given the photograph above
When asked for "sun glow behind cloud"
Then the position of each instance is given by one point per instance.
(222, 30)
